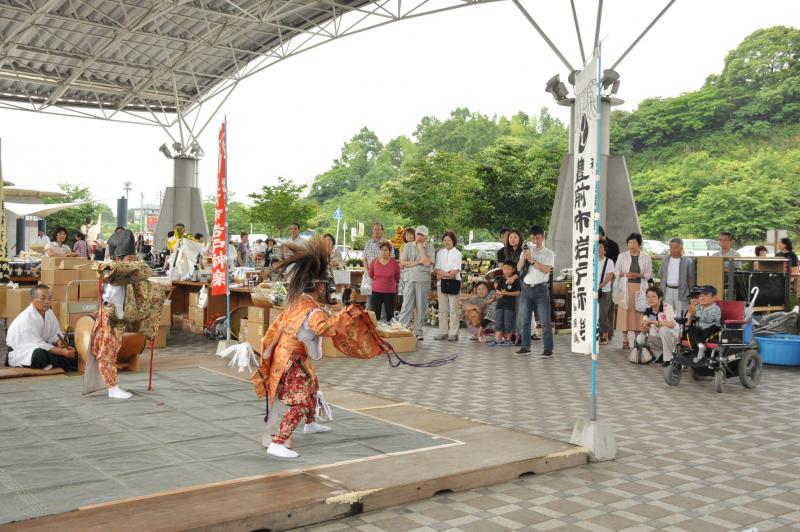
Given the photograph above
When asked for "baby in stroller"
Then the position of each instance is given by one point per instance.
(703, 321)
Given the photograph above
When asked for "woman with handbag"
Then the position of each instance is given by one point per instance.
(637, 267)
(448, 272)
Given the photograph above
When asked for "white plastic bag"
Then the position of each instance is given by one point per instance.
(366, 284)
(641, 301)
(202, 299)
(619, 293)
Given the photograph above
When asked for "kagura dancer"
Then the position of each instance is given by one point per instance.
(293, 341)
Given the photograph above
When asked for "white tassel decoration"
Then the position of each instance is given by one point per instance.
(242, 355)
(323, 410)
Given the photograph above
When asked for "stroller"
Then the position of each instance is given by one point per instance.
(734, 353)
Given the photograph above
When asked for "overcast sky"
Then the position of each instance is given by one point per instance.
(292, 119)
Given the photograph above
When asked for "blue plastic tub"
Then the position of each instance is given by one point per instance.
(779, 349)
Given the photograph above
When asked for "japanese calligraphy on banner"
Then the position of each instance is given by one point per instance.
(219, 238)
(586, 173)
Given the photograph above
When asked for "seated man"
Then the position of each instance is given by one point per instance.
(35, 339)
(704, 320)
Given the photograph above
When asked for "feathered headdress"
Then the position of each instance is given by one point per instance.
(307, 265)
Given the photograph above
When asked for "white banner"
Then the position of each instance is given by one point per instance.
(586, 174)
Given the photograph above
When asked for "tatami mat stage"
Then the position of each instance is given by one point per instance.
(188, 454)
(62, 451)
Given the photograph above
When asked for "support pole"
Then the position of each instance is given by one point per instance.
(544, 35)
(639, 38)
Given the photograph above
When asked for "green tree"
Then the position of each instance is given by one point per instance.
(746, 206)
(74, 217)
(463, 132)
(437, 192)
(366, 207)
(517, 184)
(281, 205)
(239, 216)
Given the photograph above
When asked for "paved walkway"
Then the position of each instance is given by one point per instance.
(689, 459)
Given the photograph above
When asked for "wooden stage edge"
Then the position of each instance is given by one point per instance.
(482, 455)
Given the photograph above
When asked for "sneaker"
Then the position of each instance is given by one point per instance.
(547, 353)
(473, 338)
(440, 337)
(453, 338)
(48, 367)
(492, 343)
(420, 338)
(535, 336)
(522, 351)
(507, 343)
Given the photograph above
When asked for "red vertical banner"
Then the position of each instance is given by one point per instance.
(219, 239)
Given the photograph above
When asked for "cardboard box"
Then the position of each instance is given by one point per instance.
(161, 337)
(166, 315)
(88, 290)
(194, 299)
(3, 291)
(56, 277)
(194, 329)
(16, 300)
(62, 263)
(274, 312)
(68, 320)
(402, 344)
(255, 332)
(242, 330)
(59, 292)
(85, 271)
(197, 316)
(258, 314)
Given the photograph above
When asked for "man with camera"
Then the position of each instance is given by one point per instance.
(535, 266)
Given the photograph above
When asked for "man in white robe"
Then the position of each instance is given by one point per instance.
(35, 339)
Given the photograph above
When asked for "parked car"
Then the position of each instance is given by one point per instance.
(655, 247)
(486, 250)
(750, 251)
(700, 247)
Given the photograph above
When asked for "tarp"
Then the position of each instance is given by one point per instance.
(44, 209)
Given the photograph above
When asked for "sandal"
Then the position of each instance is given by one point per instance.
(604, 341)
(625, 344)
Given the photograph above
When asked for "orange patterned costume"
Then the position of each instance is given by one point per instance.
(286, 369)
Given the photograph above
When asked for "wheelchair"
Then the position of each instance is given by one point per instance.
(733, 353)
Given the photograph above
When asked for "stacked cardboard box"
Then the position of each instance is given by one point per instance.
(63, 275)
(258, 321)
(15, 300)
(197, 316)
(164, 325)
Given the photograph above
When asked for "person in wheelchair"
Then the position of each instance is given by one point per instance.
(704, 321)
(660, 331)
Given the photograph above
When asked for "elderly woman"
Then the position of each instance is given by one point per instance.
(634, 267)
(448, 266)
(409, 236)
(57, 246)
(659, 330)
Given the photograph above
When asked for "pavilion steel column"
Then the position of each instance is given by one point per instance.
(20, 234)
(122, 212)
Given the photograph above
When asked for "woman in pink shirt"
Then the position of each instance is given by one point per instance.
(385, 273)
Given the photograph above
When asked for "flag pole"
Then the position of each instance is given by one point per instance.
(227, 238)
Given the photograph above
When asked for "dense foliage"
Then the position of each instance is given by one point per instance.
(723, 157)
